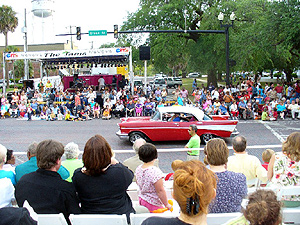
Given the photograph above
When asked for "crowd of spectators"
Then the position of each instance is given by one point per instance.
(98, 183)
(86, 103)
(250, 100)
(245, 100)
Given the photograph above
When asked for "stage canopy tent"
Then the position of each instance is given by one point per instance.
(105, 56)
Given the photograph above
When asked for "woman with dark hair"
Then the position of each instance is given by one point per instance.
(263, 208)
(193, 188)
(102, 183)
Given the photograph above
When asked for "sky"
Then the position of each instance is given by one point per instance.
(88, 14)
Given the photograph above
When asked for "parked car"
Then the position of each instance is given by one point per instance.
(160, 75)
(138, 83)
(194, 75)
(159, 127)
(173, 81)
(159, 82)
(1, 83)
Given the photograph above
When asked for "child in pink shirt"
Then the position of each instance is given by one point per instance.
(149, 178)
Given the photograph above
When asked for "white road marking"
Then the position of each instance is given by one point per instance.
(279, 137)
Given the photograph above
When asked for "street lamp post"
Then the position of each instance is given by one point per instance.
(226, 26)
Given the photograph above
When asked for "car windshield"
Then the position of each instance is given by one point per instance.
(156, 116)
(138, 82)
(160, 81)
(206, 117)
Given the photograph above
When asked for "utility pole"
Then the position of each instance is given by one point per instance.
(71, 36)
(26, 71)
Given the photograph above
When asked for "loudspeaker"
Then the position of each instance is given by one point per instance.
(144, 52)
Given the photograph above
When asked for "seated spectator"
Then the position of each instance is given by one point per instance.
(60, 116)
(266, 156)
(14, 110)
(133, 162)
(68, 116)
(96, 111)
(130, 108)
(102, 183)
(138, 108)
(263, 208)
(106, 113)
(284, 167)
(10, 161)
(265, 115)
(281, 109)
(242, 106)
(231, 186)
(7, 193)
(149, 178)
(223, 109)
(193, 188)
(31, 164)
(44, 189)
(72, 162)
(148, 108)
(234, 110)
(295, 108)
(3, 173)
(12, 215)
(241, 162)
(119, 109)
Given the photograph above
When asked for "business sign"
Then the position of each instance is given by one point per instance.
(97, 32)
(67, 53)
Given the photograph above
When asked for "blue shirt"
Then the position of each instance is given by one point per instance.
(223, 109)
(280, 108)
(8, 174)
(31, 166)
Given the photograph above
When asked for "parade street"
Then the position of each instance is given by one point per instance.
(18, 134)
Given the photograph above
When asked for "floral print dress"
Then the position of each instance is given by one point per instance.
(286, 172)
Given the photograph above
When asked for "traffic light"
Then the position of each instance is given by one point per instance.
(78, 33)
(115, 31)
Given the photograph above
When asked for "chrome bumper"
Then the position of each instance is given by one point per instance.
(122, 136)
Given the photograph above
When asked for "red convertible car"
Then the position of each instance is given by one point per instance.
(172, 123)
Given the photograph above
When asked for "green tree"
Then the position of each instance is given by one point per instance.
(191, 51)
(285, 25)
(8, 23)
(19, 69)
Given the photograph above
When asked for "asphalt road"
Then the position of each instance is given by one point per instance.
(18, 134)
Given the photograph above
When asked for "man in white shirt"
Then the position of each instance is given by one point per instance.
(241, 162)
(101, 83)
(295, 108)
(215, 94)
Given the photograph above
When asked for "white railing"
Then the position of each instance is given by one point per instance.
(180, 149)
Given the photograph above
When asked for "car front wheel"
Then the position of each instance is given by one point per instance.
(134, 136)
(206, 137)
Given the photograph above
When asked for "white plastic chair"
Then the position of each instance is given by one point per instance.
(50, 219)
(291, 216)
(221, 218)
(287, 191)
(96, 219)
(137, 219)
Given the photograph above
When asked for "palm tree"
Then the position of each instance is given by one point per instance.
(8, 23)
